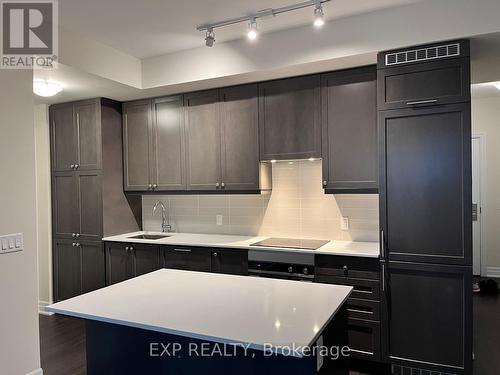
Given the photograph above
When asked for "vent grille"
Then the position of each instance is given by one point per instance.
(423, 54)
(404, 370)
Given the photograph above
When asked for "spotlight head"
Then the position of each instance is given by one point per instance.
(210, 38)
(252, 29)
(319, 16)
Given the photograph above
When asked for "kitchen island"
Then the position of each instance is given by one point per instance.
(183, 322)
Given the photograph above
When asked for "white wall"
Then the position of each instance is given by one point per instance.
(43, 208)
(297, 207)
(486, 120)
(19, 341)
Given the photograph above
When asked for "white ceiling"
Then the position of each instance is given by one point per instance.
(146, 28)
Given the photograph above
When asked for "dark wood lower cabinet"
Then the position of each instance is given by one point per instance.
(125, 261)
(230, 261)
(427, 317)
(78, 268)
(187, 258)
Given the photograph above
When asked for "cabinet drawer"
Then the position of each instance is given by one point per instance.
(363, 289)
(433, 83)
(342, 266)
(187, 258)
(363, 309)
(364, 339)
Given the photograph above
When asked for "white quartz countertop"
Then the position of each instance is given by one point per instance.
(334, 247)
(215, 307)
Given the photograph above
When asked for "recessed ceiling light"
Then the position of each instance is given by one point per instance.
(497, 85)
(311, 159)
(273, 161)
(319, 16)
(252, 29)
(46, 88)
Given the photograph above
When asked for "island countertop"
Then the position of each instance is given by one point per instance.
(334, 247)
(214, 307)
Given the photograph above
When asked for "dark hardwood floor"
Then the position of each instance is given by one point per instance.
(62, 340)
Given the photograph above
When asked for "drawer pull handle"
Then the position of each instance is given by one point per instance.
(363, 289)
(183, 250)
(360, 310)
(431, 101)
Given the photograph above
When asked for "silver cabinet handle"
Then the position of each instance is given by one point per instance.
(216, 184)
(382, 244)
(131, 248)
(127, 248)
(77, 244)
(215, 254)
(73, 244)
(77, 235)
(223, 184)
(383, 277)
(155, 186)
(150, 186)
(422, 102)
(72, 166)
(183, 250)
(73, 235)
(76, 166)
(325, 183)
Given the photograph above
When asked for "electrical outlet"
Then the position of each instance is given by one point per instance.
(218, 219)
(344, 223)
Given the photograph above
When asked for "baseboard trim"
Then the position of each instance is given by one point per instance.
(493, 272)
(42, 308)
(38, 371)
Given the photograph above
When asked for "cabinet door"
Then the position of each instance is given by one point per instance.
(168, 144)
(147, 258)
(428, 322)
(230, 261)
(88, 125)
(364, 339)
(67, 270)
(289, 118)
(136, 145)
(432, 83)
(63, 137)
(349, 131)
(119, 263)
(240, 138)
(93, 266)
(90, 205)
(66, 205)
(203, 140)
(185, 258)
(425, 195)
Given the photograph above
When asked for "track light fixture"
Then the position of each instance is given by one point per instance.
(252, 29)
(210, 37)
(319, 16)
(252, 33)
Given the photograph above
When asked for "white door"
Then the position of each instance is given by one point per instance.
(476, 205)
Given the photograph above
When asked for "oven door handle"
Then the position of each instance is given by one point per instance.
(283, 274)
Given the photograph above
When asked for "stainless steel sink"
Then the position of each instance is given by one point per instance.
(150, 236)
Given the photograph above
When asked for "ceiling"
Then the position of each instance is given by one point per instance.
(149, 28)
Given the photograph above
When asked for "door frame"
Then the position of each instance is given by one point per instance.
(482, 138)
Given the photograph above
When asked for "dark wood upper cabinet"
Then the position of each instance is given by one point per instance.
(349, 131)
(203, 139)
(168, 151)
(240, 138)
(428, 317)
(425, 192)
(432, 83)
(289, 118)
(63, 137)
(89, 134)
(136, 145)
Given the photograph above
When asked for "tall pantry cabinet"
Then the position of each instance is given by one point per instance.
(88, 202)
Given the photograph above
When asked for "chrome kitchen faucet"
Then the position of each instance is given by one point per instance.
(165, 217)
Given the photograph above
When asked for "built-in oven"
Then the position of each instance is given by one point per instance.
(281, 265)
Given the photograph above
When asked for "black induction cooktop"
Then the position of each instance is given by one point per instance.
(292, 243)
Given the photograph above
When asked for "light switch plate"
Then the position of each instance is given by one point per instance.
(11, 243)
(344, 223)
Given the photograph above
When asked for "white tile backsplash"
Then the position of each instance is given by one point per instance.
(297, 207)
